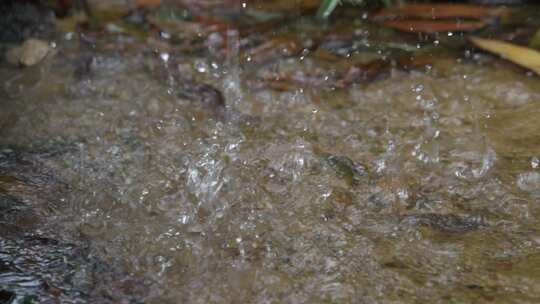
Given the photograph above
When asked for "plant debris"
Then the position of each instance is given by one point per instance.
(523, 56)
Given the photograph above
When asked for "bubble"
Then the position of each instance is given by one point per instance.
(201, 66)
(529, 182)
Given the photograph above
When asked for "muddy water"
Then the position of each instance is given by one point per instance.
(421, 186)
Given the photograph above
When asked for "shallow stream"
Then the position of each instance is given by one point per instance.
(125, 185)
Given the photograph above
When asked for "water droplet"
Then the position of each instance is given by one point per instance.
(183, 219)
(529, 181)
(165, 35)
(164, 56)
(418, 88)
(488, 160)
(535, 162)
(201, 66)
(380, 165)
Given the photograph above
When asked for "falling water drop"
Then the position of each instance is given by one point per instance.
(233, 91)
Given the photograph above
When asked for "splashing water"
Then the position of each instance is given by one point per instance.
(414, 187)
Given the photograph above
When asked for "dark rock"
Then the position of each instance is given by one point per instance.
(47, 270)
(448, 223)
(39, 266)
(23, 19)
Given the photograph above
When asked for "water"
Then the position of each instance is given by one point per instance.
(420, 185)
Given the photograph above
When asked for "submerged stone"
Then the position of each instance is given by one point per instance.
(346, 169)
(30, 53)
(447, 223)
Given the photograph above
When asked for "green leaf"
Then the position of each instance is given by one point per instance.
(326, 8)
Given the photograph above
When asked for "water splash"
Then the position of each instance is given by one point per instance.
(231, 82)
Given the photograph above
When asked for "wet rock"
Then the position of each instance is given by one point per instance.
(206, 93)
(7, 296)
(25, 178)
(14, 214)
(23, 19)
(447, 223)
(30, 53)
(365, 73)
(35, 268)
(39, 266)
(184, 86)
(28, 190)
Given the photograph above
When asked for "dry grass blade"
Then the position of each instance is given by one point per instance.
(439, 11)
(432, 18)
(428, 26)
(523, 56)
